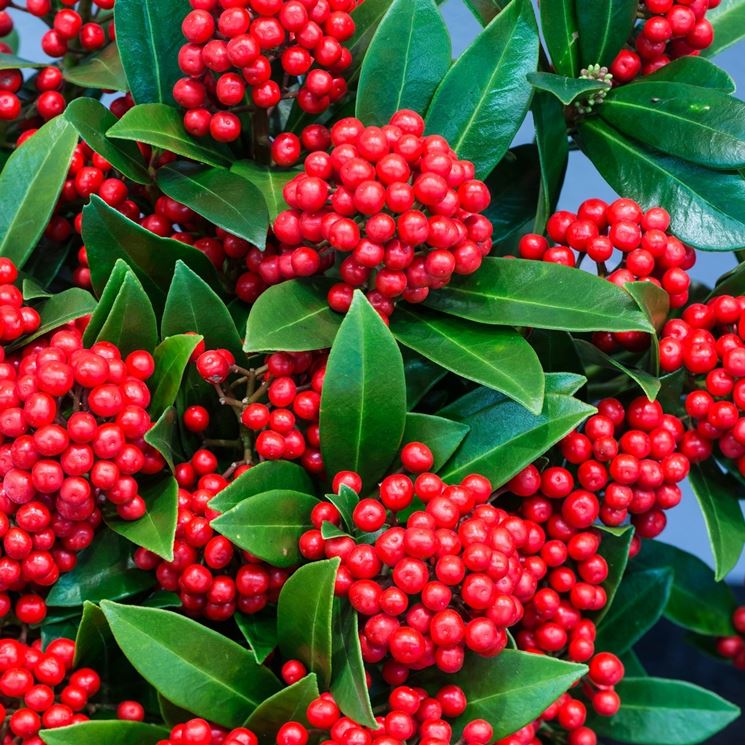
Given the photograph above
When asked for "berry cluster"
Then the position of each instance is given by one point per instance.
(70, 31)
(401, 206)
(49, 102)
(627, 462)
(231, 50)
(16, 319)
(669, 29)
(733, 647)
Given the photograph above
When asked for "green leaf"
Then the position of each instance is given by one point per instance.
(293, 316)
(223, 197)
(707, 207)
(124, 316)
(442, 436)
(260, 631)
(156, 530)
(727, 19)
(148, 34)
(653, 300)
(30, 183)
(505, 437)
(716, 493)
(614, 548)
(483, 99)
(103, 570)
(163, 437)
(192, 305)
(556, 351)
(564, 88)
(512, 689)
(406, 60)
(269, 525)
(363, 404)
(92, 119)
(485, 10)
(13, 61)
(367, 17)
(700, 125)
(288, 705)
(559, 26)
(518, 292)
(109, 236)
(102, 71)
(171, 358)
(346, 500)
(604, 26)
(263, 477)
(697, 601)
(192, 666)
(304, 617)
(162, 126)
(694, 71)
(171, 714)
(639, 602)
(498, 358)
(269, 181)
(349, 684)
(656, 711)
(421, 375)
(111, 732)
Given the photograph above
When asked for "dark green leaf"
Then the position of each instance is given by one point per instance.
(163, 437)
(269, 181)
(632, 665)
(653, 300)
(727, 19)
(614, 548)
(655, 711)
(442, 436)
(162, 126)
(694, 71)
(363, 404)
(192, 305)
(700, 125)
(556, 351)
(293, 316)
(563, 88)
(102, 71)
(12, 61)
(483, 99)
(110, 732)
(223, 197)
(406, 60)
(345, 501)
(148, 34)
(269, 525)
(30, 183)
(421, 375)
(486, 10)
(171, 714)
(707, 208)
(559, 26)
(171, 358)
(498, 358)
(367, 17)
(604, 27)
(304, 617)
(717, 496)
(518, 292)
(260, 631)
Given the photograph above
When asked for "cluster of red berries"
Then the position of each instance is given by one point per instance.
(280, 408)
(640, 240)
(69, 30)
(213, 578)
(49, 102)
(670, 29)
(707, 341)
(16, 319)
(733, 647)
(233, 45)
(626, 462)
(401, 206)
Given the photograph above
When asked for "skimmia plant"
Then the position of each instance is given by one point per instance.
(319, 423)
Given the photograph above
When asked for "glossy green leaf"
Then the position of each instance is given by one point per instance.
(223, 197)
(293, 316)
(367, 17)
(192, 305)
(697, 601)
(701, 125)
(421, 375)
(406, 60)
(345, 501)
(304, 617)
(655, 711)
(614, 548)
(505, 437)
(111, 732)
(716, 493)
(556, 351)
(483, 99)
(694, 71)
(604, 27)
(13, 61)
(653, 300)
(269, 181)
(171, 714)
(156, 530)
(363, 404)
(639, 602)
(194, 667)
(263, 477)
(707, 207)
(728, 20)
(269, 525)
(563, 88)
(559, 26)
(163, 437)
(442, 436)
(518, 292)
(162, 126)
(498, 358)
(260, 631)
(148, 34)
(30, 184)
(103, 570)
(288, 705)
(102, 71)
(171, 358)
